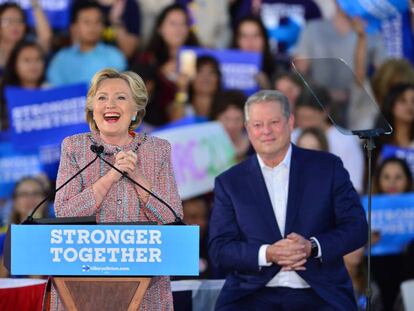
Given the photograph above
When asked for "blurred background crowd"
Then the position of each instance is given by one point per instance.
(146, 36)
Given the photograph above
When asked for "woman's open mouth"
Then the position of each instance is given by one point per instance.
(111, 117)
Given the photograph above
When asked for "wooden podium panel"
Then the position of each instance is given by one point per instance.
(101, 293)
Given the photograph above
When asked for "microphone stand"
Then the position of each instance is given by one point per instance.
(99, 150)
(29, 220)
(369, 146)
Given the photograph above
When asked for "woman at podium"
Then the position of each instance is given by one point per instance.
(115, 108)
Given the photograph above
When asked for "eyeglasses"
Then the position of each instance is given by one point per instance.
(29, 194)
(6, 22)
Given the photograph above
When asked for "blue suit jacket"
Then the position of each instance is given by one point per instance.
(322, 203)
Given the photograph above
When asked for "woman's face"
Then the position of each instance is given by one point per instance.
(232, 120)
(29, 65)
(206, 80)
(289, 88)
(12, 25)
(28, 194)
(404, 107)
(174, 29)
(113, 108)
(250, 38)
(392, 179)
(309, 141)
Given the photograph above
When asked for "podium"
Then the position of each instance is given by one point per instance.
(112, 263)
(114, 293)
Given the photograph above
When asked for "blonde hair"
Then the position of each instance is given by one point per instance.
(391, 72)
(136, 85)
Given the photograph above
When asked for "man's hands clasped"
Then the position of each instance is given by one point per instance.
(291, 253)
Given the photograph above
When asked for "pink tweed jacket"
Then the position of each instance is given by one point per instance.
(121, 203)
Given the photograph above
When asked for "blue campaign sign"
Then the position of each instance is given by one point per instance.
(403, 153)
(15, 164)
(127, 250)
(239, 68)
(46, 116)
(393, 217)
(373, 12)
(57, 12)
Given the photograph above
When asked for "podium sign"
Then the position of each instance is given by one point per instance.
(104, 250)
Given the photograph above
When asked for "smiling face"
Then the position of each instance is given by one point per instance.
(113, 109)
(232, 120)
(250, 37)
(206, 80)
(269, 131)
(30, 66)
(28, 194)
(12, 25)
(393, 179)
(174, 29)
(89, 26)
(404, 107)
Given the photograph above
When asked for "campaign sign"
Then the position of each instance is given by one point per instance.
(373, 12)
(14, 165)
(403, 153)
(126, 250)
(56, 11)
(238, 68)
(46, 116)
(200, 152)
(393, 217)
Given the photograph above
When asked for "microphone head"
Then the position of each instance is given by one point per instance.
(97, 149)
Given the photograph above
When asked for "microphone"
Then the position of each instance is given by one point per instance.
(97, 149)
(29, 220)
(100, 149)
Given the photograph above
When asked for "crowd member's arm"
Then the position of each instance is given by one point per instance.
(126, 41)
(44, 33)
(360, 51)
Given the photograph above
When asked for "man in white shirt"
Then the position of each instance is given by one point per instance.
(283, 219)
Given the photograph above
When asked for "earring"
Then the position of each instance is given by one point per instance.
(134, 118)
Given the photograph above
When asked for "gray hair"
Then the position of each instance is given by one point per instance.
(267, 96)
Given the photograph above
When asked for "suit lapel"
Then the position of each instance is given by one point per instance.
(295, 189)
(257, 187)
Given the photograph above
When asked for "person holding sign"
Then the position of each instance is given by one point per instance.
(115, 108)
(283, 219)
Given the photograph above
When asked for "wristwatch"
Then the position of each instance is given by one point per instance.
(314, 248)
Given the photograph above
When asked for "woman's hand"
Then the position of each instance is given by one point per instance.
(127, 162)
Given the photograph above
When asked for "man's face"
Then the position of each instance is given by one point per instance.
(269, 130)
(89, 26)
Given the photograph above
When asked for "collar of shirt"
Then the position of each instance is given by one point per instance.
(285, 162)
(76, 48)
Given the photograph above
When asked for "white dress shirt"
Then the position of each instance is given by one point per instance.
(277, 184)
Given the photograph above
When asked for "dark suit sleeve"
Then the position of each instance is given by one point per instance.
(351, 229)
(227, 247)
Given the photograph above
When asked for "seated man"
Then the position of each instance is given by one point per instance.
(283, 219)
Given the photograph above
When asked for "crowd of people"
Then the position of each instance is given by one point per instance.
(145, 37)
